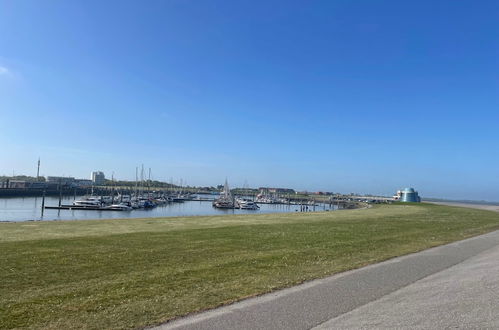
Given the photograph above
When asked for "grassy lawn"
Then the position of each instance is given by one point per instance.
(137, 272)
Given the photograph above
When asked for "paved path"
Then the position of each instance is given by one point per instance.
(442, 287)
(465, 296)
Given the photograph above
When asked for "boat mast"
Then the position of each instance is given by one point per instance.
(136, 181)
(149, 182)
(226, 191)
(142, 180)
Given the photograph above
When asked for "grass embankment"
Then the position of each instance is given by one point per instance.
(136, 272)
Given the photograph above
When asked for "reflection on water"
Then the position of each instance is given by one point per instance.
(29, 208)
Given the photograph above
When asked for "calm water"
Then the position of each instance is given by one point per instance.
(29, 208)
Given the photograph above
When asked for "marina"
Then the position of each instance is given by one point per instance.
(29, 209)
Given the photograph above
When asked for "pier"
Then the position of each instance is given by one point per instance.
(75, 207)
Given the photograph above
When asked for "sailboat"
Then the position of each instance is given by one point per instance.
(225, 201)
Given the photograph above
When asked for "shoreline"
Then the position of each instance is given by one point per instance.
(181, 216)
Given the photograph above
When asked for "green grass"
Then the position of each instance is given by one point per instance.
(137, 272)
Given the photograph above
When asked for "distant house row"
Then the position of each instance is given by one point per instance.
(280, 191)
(53, 182)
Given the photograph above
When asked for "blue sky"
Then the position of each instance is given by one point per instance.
(347, 96)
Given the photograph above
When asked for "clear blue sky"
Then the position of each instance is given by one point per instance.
(347, 96)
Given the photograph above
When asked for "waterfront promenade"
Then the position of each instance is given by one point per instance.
(451, 286)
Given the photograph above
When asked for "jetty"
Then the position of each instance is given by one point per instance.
(77, 207)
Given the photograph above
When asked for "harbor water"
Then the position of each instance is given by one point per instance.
(29, 208)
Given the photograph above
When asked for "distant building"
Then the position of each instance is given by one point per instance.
(22, 184)
(61, 180)
(276, 190)
(82, 183)
(398, 195)
(408, 195)
(97, 178)
(38, 185)
(19, 184)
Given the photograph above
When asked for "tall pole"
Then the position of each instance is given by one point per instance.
(38, 171)
(149, 181)
(142, 180)
(136, 181)
(43, 202)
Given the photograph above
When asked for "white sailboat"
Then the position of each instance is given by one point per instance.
(225, 201)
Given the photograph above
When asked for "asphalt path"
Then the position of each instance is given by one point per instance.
(442, 287)
(465, 296)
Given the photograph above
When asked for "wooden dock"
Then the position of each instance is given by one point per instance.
(75, 207)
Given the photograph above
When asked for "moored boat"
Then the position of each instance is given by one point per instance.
(223, 204)
(246, 204)
(225, 201)
(119, 207)
(91, 201)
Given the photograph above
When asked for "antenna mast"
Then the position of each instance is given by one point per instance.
(38, 170)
